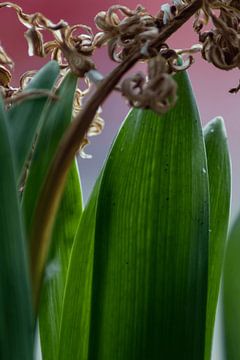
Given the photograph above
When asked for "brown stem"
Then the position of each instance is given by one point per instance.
(54, 184)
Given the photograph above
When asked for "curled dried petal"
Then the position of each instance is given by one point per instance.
(26, 78)
(221, 44)
(35, 42)
(4, 58)
(95, 129)
(5, 76)
(37, 20)
(124, 29)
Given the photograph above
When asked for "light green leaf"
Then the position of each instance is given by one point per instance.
(151, 239)
(16, 326)
(25, 118)
(219, 172)
(65, 228)
(76, 311)
(231, 294)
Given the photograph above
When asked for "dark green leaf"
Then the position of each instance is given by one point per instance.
(151, 239)
(219, 172)
(58, 116)
(16, 327)
(25, 118)
(231, 294)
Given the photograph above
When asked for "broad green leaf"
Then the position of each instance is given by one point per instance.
(219, 172)
(149, 290)
(231, 294)
(76, 310)
(25, 118)
(57, 118)
(16, 326)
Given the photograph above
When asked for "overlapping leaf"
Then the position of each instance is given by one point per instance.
(219, 171)
(16, 326)
(67, 221)
(231, 294)
(56, 119)
(76, 311)
(25, 118)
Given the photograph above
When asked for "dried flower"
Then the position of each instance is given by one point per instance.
(157, 91)
(124, 30)
(221, 45)
(76, 49)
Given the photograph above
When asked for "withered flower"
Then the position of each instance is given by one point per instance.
(221, 45)
(157, 92)
(124, 30)
(74, 49)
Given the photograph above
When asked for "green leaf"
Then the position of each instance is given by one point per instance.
(16, 326)
(219, 172)
(151, 239)
(231, 294)
(75, 323)
(65, 228)
(57, 118)
(25, 118)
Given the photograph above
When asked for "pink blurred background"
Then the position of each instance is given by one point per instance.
(210, 85)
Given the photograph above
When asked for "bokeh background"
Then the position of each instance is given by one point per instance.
(210, 84)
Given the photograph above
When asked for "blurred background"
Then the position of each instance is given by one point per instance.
(210, 85)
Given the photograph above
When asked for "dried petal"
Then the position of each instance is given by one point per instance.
(5, 76)
(35, 42)
(4, 58)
